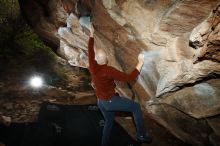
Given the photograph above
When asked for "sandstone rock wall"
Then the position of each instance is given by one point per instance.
(181, 42)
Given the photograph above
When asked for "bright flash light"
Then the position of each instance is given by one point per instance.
(36, 82)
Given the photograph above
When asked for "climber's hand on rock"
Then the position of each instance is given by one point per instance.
(140, 62)
(141, 58)
(91, 29)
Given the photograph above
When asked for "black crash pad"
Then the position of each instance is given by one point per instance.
(64, 125)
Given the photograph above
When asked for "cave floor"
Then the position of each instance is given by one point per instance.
(26, 109)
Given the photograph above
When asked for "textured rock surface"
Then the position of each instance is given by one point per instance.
(190, 113)
(181, 43)
(206, 37)
(73, 43)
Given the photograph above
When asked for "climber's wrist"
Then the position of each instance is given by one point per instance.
(139, 65)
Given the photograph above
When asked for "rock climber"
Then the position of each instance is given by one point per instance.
(103, 77)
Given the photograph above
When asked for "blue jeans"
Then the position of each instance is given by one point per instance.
(118, 103)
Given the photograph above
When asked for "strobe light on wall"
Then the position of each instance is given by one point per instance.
(36, 81)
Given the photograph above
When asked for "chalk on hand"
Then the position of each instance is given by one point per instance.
(85, 21)
(141, 56)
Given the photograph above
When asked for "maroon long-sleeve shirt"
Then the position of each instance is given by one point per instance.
(103, 76)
